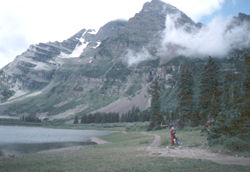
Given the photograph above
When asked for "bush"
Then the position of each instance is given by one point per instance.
(32, 119)
(231, 143)
(236, 144)
(75, 120)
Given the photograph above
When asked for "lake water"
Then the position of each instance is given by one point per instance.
(19, 139)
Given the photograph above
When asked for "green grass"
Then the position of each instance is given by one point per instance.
(124, 126)
(105, 126)
(18, 122)
(188, 136)
(218, 148)
(123, 153)
(193, 137)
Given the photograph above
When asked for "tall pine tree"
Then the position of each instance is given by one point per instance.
(185, 93)
(227, 90)
(210, 94)
(156, 117)
(244, 116)
(233, 125)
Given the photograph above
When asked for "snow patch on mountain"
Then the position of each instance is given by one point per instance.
(91, 59)
(63, 55)
(79, 48)
(98, 44)
(92, 32)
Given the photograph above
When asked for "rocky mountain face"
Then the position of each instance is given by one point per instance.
(34, 69)
(107, 71)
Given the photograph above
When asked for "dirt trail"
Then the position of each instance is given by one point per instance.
(156, 142)
(193, 153)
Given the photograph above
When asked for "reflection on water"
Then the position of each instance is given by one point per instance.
(16, 139)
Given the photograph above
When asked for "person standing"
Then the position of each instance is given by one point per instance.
(172, 136)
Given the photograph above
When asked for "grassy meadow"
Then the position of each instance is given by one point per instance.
(124, 152)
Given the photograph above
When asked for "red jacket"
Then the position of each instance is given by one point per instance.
(172, 133)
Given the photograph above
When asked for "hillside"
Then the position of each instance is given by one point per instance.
(106, 71)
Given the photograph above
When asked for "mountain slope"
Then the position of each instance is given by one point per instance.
(107, 71)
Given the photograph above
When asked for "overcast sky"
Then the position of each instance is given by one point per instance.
(25, 22)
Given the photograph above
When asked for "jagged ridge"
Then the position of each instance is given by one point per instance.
(89, 70)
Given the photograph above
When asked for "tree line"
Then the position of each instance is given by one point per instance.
(133, 115)
(213, 94)
(30, 118)
(223, 98)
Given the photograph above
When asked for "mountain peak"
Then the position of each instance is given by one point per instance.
(111, 29)
(158, 6)
(243, 17)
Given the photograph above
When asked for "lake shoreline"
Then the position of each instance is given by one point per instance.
(16, 150)
(91, 141)
(21, 140)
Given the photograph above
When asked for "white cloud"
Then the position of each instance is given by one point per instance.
(196, 9)
(12, 38)
(51, 20)
(134, 58)
(55, 20)
(214, 39)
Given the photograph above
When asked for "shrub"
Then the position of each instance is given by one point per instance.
(32, 119)
(236, 144)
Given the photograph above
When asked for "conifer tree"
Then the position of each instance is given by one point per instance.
(156, 117)
(227, 91)
(185, 92)
(76, 120)
(237, 93)
(244, 116)
(210, 94)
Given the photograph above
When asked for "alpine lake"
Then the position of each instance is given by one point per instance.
(16, 140)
